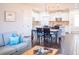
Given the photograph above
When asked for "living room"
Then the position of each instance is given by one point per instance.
(18, 20)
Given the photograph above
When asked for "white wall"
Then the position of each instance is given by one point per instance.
(74, 20)
(23, 19)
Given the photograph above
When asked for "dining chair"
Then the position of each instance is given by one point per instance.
(53, 36)
(39, 35)
(56, 27)
(47, 37)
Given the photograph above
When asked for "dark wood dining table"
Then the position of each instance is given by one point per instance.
(51, 31)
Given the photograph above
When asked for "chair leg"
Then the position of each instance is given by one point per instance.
(41, 41)
(60, 42)
(38, 39)
(51, 42)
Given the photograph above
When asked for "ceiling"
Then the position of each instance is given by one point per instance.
(52, 7)
(40, 7)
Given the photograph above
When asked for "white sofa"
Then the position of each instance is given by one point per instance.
(6, 49)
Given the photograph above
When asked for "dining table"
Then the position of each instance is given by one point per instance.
(51, 31)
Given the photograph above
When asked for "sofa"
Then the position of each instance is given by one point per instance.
(16, 49)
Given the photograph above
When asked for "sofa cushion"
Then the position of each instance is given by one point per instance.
(20, 46)
(6, 37)
(1, 40)
(6, 50)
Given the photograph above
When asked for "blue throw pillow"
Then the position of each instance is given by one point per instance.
(13, 40)
(14, 35)
(20, 38)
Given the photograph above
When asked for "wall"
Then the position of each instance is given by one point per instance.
(74, 20)
(23, 19)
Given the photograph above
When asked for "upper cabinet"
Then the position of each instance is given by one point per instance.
(63, 15)
(35, 16)
(45, 18)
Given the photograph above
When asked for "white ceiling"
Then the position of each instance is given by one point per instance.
(50, 7)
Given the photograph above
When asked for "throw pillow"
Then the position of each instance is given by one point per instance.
(20, 38)
(13, 40)
(14, 35)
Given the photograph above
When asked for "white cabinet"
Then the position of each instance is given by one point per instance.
(35, 16)
(77, 45)
(52, 17)
(63, 15)
(45, 20)
(68, 44)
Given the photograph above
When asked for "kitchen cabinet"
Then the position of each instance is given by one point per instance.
(77, 45)
(63, 15)
(68, 45)
(64, 23)
(36, 23)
